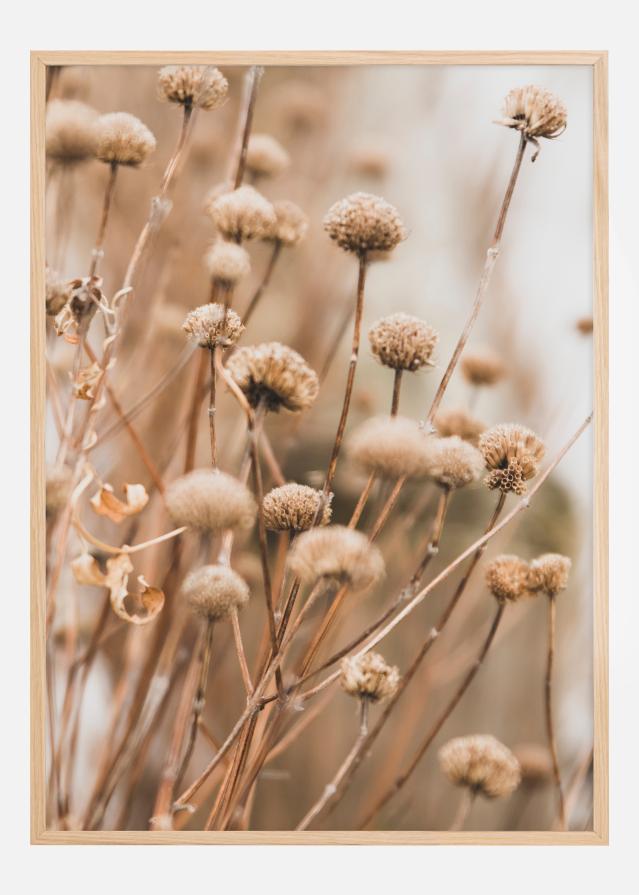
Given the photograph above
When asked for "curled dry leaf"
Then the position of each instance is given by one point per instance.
(85, 385)
(135, 608)
(138, 608)
(105, 503)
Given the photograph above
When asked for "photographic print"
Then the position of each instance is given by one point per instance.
(319, 495)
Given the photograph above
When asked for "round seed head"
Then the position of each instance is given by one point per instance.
(213, 324)
(336, 553)
(369, 677)
(363, 223)
(122, 139)
(512, 453)
(242, 214)
(549, 573)
(390, 447)
(209, 500)
(507, 578)
(58, 488)
(535, 762)
(535, 112)
(458, 422)
(70, 134)
(203, 86)
(213, 592)
(227, 263)
(293, 507)
(482, 367)
(274, 375)
(481, 763)
(265, 157)
(291, 224)
(452, 462)
(403, 342)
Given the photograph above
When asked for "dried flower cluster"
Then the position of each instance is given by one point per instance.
(122, 139)
(403, 342)
(364, 223)
(339, 554)
(265, 157)
(369, 677)
(483, 367)
(294, 507)
(215, 591)
(481, 763)
(507, 578)
(512, 453)
(242, 214)
(70, 133)
(275, 376)
(212, 325)
(452, 462)
(549, 573)
(210, 501)
(459, 422)
(204, 87)
(534, 111)
(227, 263)
(390, 447)
(291, 224)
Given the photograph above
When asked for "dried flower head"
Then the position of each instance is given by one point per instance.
(336, 553)
(483, 367)
(122, 139)
(291, 224)
(459, 422)
(535, 112)
(549, 573)
(293, 507)
(213, 592)
(58, 488)
(369, 677)
(452, 462)
(209, 500)
(390, 447)
(58, 293)
(242, 214)
(300, 105)
(370, 161)
(227, 263)
(403, 342)
(274, 375)
(213, 324)
(363, 223)
(265, 156)
(70, 134)
(535, 762)
(203, 86)
(507, 578)
(481, 763)
(512, 453)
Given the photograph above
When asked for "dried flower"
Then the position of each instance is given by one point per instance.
(213, 592)
(274, 375)
(403, 342)
(213, 324)
(210, 500)
(293, 507)
(363, 223)
(265, 157)
(336, 553)
(291, 224)
(70, 134)
(58, 488)
(584, 325)
(203, 86)
(369, 677)
(242, 214)
(535, 762)
(300, 105)
(452, 462)
(535, 112)
(458, 422)
(122, 139)
(482, 367)
(370, 161)
(481, 763)
(507, 578)
(390, 447)
(512, 453)
(549, 573)
(227, 263)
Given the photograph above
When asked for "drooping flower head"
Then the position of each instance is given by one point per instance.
(535, 112)
(274, 375)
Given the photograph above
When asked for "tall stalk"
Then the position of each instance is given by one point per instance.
(548, 707)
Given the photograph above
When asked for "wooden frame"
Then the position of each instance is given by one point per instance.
(598, 62)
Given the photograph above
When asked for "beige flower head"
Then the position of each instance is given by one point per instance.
(549, 573)
(241, 214)
(390, 447)
(369, 677)
(274, 375)
(481, 763)
(535, 762)
(535, 112)
(507, 578)
(122, 139)
(70, 134)
(213, 324)
(291, 224)
(483, 367)
(293, 507)
(452, 462)
(403, 342)
(201, 86)
(338, 554)
(458, 422)
(209, 500)
(265, 157)
(512, 453)
(363, 223)
(213, 592)
(227, 263)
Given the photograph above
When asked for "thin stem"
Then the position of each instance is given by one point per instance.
(253, 79)
(241, 655)
(466, 803)
(212, 397)
(548, 705)
(106, 205)
(397, 384)
(266, 279)
(192, 429)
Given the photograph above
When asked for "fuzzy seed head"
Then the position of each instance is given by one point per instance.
(512, 453)
(535, 762)
(482, 367)
(507, 578)
(201, 86)
(122, 139)
(363, 223)
(227, 263)
(210, 500)
(275, 375)
(369, 677)
(293, 507)
(242, 214)
(458, 422)
(291, 224)
(389, 447)
(265, 157)
(534, 111)
(70, 134)
(481, 763)
(453, 462)
(338, 554)
(213, 324)
(213, 592)
(403, 342)
(549, 573)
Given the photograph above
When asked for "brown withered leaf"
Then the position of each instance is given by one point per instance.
(105, 503)
(88, 378)
(86, 570)
(140, 608)
(135, 608)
